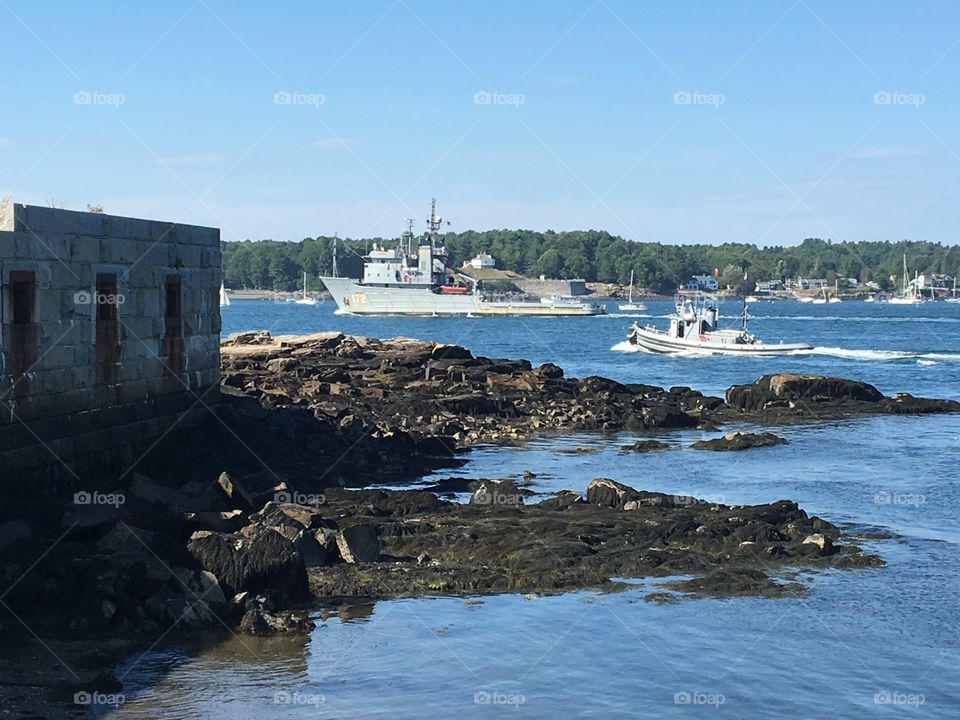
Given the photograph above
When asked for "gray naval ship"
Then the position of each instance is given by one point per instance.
(399, 281)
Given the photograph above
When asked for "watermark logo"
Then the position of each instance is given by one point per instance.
(85, 297)
(295, 97)
(284, 697)
(884, 497)
(487, 97)
(895, 97)
(698, 698)
(98, 698)
(96, 97)
(902, 699)
(696, 97)
(116, 499)
(299, 498)
(484, 496)
(499, 698)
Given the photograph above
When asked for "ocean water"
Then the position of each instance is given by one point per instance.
(883, 642)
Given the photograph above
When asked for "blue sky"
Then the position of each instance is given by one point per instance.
(764, 122)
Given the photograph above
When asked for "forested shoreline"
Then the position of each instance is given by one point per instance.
(598, 256)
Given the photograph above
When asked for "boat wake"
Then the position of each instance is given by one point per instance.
(920, 358)
(923, 358)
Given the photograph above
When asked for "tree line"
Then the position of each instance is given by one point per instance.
(598, 256)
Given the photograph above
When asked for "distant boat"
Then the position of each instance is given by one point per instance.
(751, 299)
(805, 299)
(908, 296)
(835, 298)
(630, 305)
(304, 300)
(224, 300)
(953, 297)
(820, 299)
(870, 298)
(694, 329)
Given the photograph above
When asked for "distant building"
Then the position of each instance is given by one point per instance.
(811, 283)
(707, 283)
(110, 339)
(768, 286)
(481, 261)
(938, 281)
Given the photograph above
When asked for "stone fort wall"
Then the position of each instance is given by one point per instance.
(109, 340)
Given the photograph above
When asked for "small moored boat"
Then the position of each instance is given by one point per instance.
(694, 329)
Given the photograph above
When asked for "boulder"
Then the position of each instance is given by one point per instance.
(605, 492)
(359, 544)
(644, 446)
(740, 441)
(265, 561)
(790, 389)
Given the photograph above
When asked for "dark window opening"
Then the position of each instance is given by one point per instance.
(23, 293)
(173, 311)
(107, 298)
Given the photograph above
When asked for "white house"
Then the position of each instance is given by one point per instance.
(482, 260)
(707, 283)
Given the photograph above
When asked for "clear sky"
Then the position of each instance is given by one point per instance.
(687, 121)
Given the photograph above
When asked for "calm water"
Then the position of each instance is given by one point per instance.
(877, 643)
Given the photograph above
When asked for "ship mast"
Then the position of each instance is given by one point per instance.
(334, 253)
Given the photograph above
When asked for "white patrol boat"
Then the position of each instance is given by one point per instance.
(694, 329)
(398, 281)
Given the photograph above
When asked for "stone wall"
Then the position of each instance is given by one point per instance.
(109, 339)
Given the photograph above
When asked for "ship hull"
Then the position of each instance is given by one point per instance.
(358, 299)
(658, 341)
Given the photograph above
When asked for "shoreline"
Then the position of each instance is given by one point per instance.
(265, 525)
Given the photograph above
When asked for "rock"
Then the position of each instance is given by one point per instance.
(820, 542)
(785, 388)
(562, 500)
(267, 561)
(450, 352)
(549, 371)
(646, 446)
(259, 622)
(605, 492)
(235, 494)
(314, 553)
(359, 544)
(493, 492)
(740, 441)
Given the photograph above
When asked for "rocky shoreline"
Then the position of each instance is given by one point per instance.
(248, 522)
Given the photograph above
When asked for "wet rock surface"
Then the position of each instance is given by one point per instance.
(415, 390)
(572, 542)
(740, 441)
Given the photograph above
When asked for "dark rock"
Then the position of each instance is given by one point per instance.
(359, 544)
(790, 390)
(259, 622)
(644, 446)
(234, 493)
(740, 441)
(265, 561)
(450, 352)
(605, 492)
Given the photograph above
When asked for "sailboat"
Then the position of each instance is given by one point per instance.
(224, 300)
(953, 297)
(821, 299)
(305, 300)
(630, 304)
(907, 297)
(836, 295)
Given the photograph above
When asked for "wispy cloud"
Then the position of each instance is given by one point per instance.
(875, 152)
(191, 159)
(333, 142)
